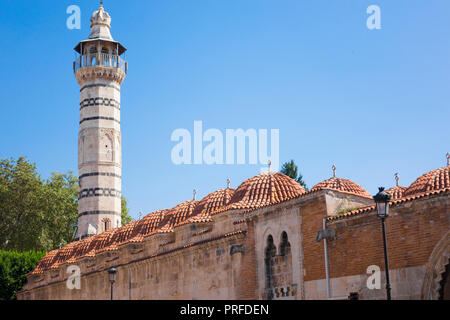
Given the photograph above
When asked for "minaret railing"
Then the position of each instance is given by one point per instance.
(100, 59)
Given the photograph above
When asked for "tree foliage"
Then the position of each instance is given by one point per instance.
(126, 218)
(291, 170)
(37, 214)
(14, 267)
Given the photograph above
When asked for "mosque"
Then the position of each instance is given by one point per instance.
(267, 239)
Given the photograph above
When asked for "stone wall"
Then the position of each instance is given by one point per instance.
(227, 259)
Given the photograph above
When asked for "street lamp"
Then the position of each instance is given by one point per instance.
(382, 204)
(112, 278)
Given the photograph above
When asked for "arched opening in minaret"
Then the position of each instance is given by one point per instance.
(115, 58)
(105, 57)
(106, 224)
(93, 56)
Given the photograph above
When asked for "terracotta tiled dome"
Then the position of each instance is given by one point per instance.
(430, 181)
(342, 185)
(396, 192)
(178, 215)
(211, 203)
(45, 262)
(265, 189)
(150, 224)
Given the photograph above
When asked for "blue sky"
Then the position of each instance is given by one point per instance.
(373, 102)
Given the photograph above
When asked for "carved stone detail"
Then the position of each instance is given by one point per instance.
(99, 72)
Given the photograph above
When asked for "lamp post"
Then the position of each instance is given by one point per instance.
(112, 278)
(382, 204)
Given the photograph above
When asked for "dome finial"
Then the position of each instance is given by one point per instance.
(396, 179)
(448, 159)
(334, 171)
(228, 183)
(269, 163)
(195, 194)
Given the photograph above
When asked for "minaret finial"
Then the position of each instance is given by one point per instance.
(334, 171)
(101, 3)
(195, 194)
(269, 163)
(448, 159)
(228, 183)
(396, 179)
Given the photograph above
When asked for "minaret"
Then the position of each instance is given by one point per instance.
(100, 72)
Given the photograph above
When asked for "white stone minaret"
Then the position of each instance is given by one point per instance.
(99, 71)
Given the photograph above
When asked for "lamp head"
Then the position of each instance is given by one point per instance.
(382, 203)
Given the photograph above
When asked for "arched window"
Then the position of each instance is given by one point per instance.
(285, 246)
(106, 224)
(278, 266)
(269, 254)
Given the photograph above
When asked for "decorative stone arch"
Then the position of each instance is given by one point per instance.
(107, 146)
(278, 266)
(435, 269)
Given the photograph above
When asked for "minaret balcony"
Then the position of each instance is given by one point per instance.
(100, 60)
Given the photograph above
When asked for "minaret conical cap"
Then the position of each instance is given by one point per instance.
(100, 25)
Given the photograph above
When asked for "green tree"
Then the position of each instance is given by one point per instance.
(14, 267)
(126, 218)
(291, 170)
(61, 209)
(35, 214)
(21, 190)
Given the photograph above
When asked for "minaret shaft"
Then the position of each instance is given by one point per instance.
(99, 71)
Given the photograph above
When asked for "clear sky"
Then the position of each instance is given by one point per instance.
(373, 102)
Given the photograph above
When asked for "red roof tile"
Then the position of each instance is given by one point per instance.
(396, 192)
(265, 189)
(178, 215)
(209, 205)
(433, 180)
(342, 185)
(393, 203)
